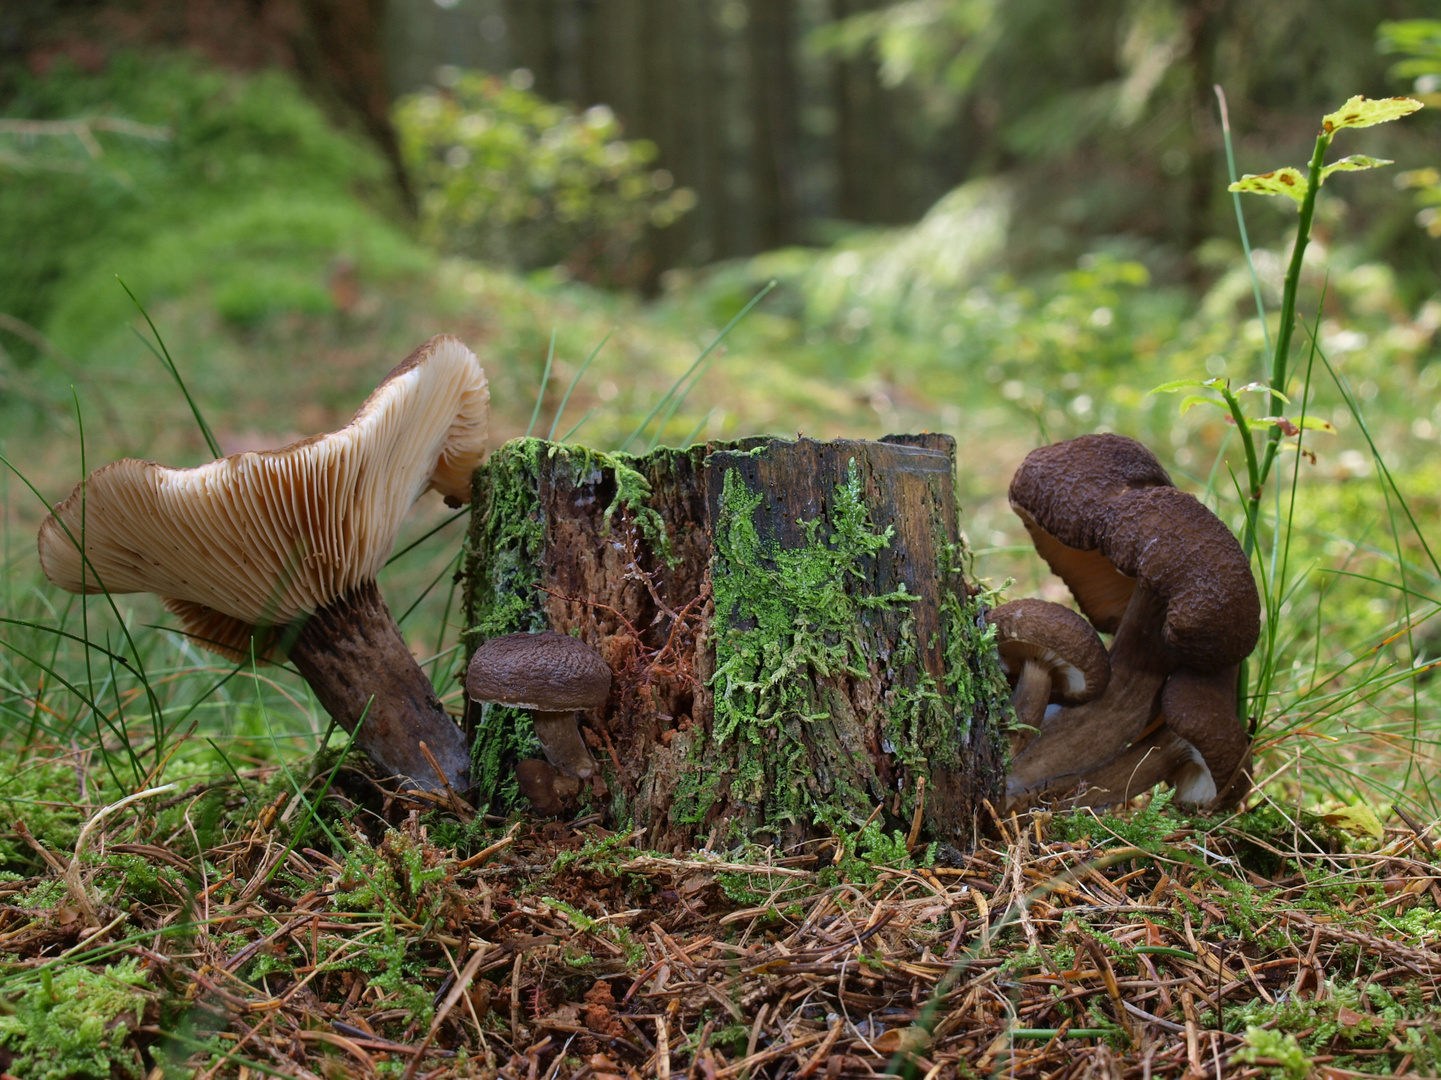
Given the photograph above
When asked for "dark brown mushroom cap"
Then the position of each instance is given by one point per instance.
(1169, 541)
(1069, 486)
(1102, 512)
(1202, 710)
(1063, 493)
(1056, 638)
(548, 672)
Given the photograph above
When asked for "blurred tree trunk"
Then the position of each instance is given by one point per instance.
(1204, 22)
(335, 46)
(866, 159)
(773, 144)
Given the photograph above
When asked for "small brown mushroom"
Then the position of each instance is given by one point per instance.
(537, 781)
(554, 676)
(1144, 560)
(1050, 654)
(276, 552)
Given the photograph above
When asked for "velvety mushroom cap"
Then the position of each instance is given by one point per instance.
(1102, 513)
(1202, 710)
(262, 538)
(1169, 541)
(1057, 639)
(1063, 493)
(546, 672)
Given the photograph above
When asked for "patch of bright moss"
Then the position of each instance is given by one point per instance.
(76, 1024)
(783, 619)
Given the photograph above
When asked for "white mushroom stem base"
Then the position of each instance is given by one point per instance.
(1028, 699)
(352, 655)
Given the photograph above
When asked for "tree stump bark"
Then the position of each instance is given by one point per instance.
(793, 639)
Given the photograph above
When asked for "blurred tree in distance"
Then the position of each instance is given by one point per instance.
(511, 178)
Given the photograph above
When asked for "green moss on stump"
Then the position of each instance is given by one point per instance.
(812, 696)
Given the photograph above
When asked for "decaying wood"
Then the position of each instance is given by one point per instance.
(680, 566)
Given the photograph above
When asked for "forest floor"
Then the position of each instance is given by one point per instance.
(429, 943)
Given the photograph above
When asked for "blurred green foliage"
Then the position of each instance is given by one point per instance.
(513, 179)
(248, 194)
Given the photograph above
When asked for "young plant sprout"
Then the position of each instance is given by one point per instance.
(275, 553)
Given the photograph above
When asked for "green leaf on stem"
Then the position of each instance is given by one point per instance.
(1263, 388)
(1360, 112)
(1177, 384)
(1293, 427)
(1197, 399)
(1354, 163)
(1288, 181)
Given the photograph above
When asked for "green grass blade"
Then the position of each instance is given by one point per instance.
(544, 382)
(698, 361)
(560, 410)
(169, 364)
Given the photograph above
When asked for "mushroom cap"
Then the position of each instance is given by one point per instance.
(1102, 513)
(1062, 493)
(547, 672)
(1202, 710)
(1056, 638)
(261, 538)
(1069, 485)
(1169, 541)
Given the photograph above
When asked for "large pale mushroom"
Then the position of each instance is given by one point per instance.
(1147, 562)
(276, 552)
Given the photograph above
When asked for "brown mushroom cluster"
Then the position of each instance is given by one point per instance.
(1152, 566)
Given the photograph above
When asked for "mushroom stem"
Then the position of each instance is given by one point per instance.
(1032, 692)
(1079, 739)
(559, 736)
(355, 660)
(1132, 772)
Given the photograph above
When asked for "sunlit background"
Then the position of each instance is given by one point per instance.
(1004, 221)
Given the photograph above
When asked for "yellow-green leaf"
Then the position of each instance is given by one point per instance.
(1293, 427)
(1263, 388)
(1369, 111)
(1359, 820)
(1197, 399)
(1354, 163)
(1174, 385)
(1360, 112)
(1288, 181)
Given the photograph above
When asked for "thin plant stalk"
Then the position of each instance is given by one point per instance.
(544, 382)
(560, 410)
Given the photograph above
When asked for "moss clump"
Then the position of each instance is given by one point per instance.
(76, 1024)
(785, 619)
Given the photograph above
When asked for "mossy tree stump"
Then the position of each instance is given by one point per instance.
(793, 639)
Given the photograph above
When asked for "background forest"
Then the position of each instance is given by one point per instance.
(995, 220)
(1008, 221)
